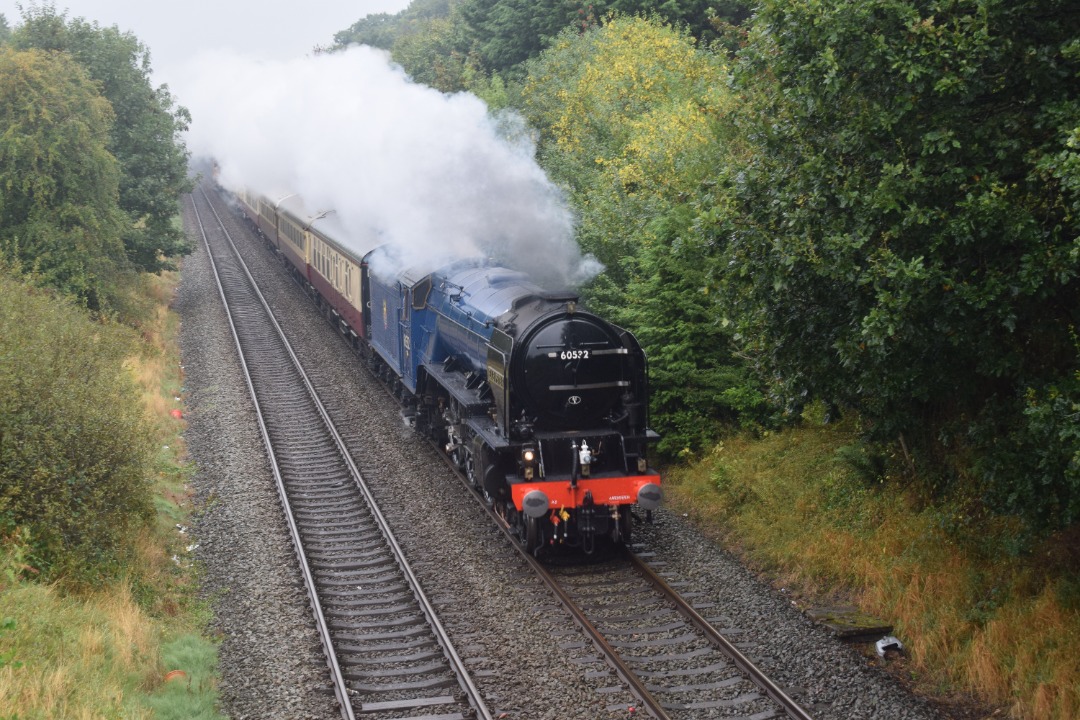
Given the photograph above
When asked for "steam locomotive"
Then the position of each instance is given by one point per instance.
(541, 404)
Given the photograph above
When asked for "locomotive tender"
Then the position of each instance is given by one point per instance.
(542, 405)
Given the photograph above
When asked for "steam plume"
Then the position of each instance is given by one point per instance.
(432, 174)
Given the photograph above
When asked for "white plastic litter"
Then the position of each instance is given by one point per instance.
(888, 643)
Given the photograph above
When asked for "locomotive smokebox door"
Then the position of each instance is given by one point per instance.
(574, 370)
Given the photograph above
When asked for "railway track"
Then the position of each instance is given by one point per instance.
(669, 657)
(387, 653)
(676, 663)
(675, 660)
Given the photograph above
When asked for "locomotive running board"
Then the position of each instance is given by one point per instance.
(470, 399)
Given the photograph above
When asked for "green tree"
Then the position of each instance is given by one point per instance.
(431, 54)
(628, 119)
(508, 32)
(145, 138)
(428, 39)
(906, 242)
(698, 389)
(629, 115)
(383, 30)
(59, 215)
(74, 452)
(5, 30)
(377, 30)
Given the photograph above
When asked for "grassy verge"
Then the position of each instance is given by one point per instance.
(978, 612)
(110, 652)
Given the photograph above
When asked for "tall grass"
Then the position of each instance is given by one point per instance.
(975, 614)
(166, 579)
(76, 657)
(106, 653)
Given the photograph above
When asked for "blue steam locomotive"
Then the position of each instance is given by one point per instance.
(542, 405)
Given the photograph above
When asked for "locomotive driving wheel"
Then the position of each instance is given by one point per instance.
(526, 528)
(459, 455)
(470, 470)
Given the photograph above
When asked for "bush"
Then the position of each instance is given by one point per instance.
(1030, 464)
(74, 452)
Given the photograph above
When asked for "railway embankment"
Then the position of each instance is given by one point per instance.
(988, 621)
(98, 612)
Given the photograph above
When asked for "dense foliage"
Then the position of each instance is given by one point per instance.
(90, 173)
(875, 206)
(59, 215)
(382, 30)
(629, 114)
(505, 33)
(432, 55)
(145, 136)
(467, 44)
(74, 451)
(906, 236)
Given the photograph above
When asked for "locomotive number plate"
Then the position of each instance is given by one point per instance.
(570, 355)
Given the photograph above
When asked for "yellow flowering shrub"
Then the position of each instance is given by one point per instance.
(635, 99)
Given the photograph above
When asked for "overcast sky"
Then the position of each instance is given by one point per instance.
(260, 29)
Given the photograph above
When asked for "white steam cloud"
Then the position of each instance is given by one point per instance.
(433, 175)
